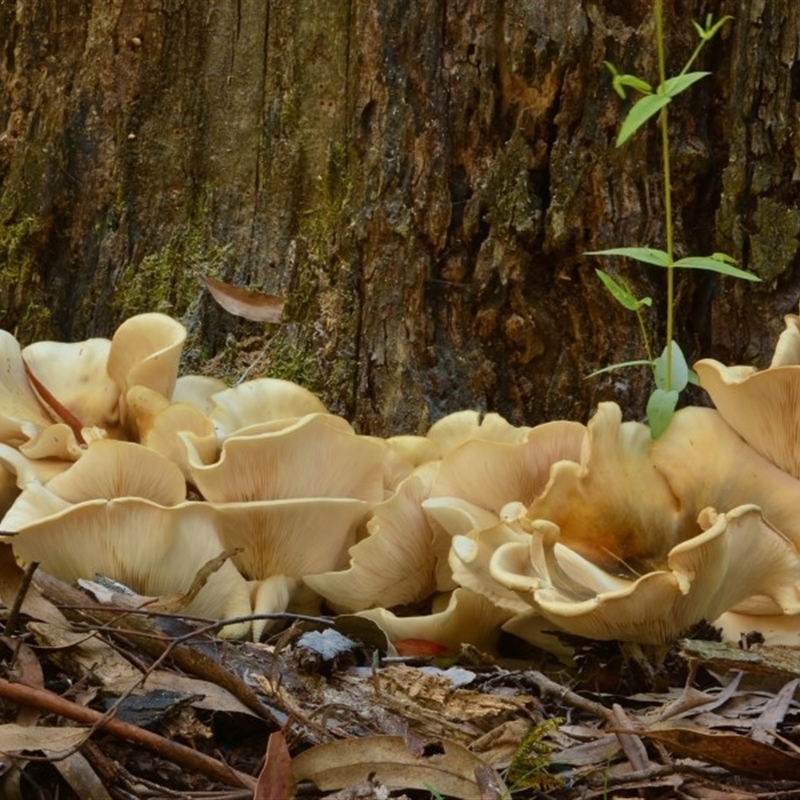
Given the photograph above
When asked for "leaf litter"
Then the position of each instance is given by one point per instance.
(106, 700)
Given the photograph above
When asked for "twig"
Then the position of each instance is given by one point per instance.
(13, 613)
(178, 753)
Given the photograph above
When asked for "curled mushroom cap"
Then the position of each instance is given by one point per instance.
(157, 423)
(491, 474)
(460, 617)
(706, 463)
(463, 426)
(613, 506)
(396, 563)
(762, 406)
(197, 391)
(145, 351)
(21, 414)
(75, 375)
(109, 469)
(737, 556)
(261, 400)
(155, 550)
(318, 455)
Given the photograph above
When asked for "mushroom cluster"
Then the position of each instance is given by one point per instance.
(254, 500)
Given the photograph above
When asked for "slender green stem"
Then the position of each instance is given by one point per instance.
(643, 332)
(664, 119)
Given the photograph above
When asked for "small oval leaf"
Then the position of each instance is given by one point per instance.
(660, 410)
(679, 370)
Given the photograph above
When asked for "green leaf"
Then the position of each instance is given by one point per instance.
(679, 370)
(648, 255)
(672, 87)
(621, 293)
(724, 257)
(660, 411)
(713, 264)
(632, 82)
(641, 362)
(644, 108)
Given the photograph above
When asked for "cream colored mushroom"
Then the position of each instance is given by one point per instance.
(318, 455)
(109, 469)
(75, 375)
(21, 414)
(155, 550)
(396, 563)
(737, 556)
(282, 541)
(491, 474)
(706, 463)
(145, 351)
(613, 507)
(459, 617)
(157, 422)
(258, 401)
(462, 426)
(762, 406)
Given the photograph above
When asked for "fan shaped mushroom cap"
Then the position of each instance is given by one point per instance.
(491, 474)
(613, 507)
(396, 563)
(706, 463)
(463, 426)
(109, 469)
(470, 557)
(318, 455)
(197, 391)
(737, 556)
(157, 423)
(75, 374)
(762, 407)
(281, 541)
(155, 550)
(56, 441)
(467, 618)
(145, 351)
(21, 413)
(260, 400)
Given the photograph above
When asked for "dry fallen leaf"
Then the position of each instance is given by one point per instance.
(444, 766)
(49, 739)
(740, 755)
(245, 303)
(275, 779)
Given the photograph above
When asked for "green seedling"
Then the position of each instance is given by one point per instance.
(670, 371)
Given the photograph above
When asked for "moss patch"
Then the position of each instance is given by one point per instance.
(21, 294)
(168, 280)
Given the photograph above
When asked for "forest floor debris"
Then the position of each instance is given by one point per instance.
(100, 700)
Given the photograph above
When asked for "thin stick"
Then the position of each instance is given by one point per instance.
(173, 751)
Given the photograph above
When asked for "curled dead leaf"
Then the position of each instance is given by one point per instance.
(245, 303)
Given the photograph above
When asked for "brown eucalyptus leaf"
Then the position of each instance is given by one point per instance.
(18, 738)
(275, 779)
(740, 755)
(245, 303)
(444, 766)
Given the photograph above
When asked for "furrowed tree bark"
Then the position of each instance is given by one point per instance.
(420, 179)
